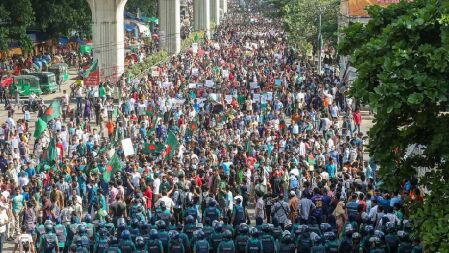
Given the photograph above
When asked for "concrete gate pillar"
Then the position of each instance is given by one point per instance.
(108, 37)
(170, 25)
(223, 6)
(201, 14)
(215, 11)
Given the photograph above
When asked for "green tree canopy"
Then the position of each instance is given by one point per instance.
(15, 17)
(148, 8)
(402, 59)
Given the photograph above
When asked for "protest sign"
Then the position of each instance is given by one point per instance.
(127, 147)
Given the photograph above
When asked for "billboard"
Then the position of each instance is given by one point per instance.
(357, 7)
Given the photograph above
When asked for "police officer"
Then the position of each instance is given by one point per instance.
(356, 238)
(82, 237)
(201, 245)
(287, 244)
(80, 247)
(238, 213)
(242, 238)
(376, 245)
(126, 245)
(61, 233)
(367, 233)
(331, 244)
(346, 243)
(184, 238)
(135, 229)
(49, 241)
(141, 246)
(318, 246)
(175, 245)
(391, 238)
(162, 213)
(212, 212)
(163, 234)
(254, 245)
(102, 241)
(304, 242)
(227, 245)
(155, 244)
(114, 247)
(189, 226)
(191, 211)
(90, 229)
(216, 237)
(268, 242)
(405, 246)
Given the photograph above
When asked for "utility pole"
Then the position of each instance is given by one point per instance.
(320, 43)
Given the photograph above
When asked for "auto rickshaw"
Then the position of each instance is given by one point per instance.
(47, 81)
(61, 72)
(25, 85)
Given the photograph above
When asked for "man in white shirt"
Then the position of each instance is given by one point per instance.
(4, 220)
(24, 242)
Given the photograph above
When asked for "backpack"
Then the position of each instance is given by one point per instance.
(50, 242)
(239, 215)
(253, 246)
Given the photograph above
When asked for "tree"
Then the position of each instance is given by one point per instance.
(401, 57)
(301, 20)
(18, 17)
(147, 7)
(63, 18)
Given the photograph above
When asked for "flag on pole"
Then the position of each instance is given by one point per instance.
(52, 154)
(52, 112)
(152, 148)
(171, 144)
(114, 165)
(196, 38)
(40, 128)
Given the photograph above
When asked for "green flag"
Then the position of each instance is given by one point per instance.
(91, 69)
(249, 149)
(52, 112)
(52, 154)
(171, 144)
(40, 128)
(152, 148)
(196, 38)
(114, 165)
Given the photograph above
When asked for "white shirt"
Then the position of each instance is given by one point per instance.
(3, 220)
(169, 204)
(24, 238)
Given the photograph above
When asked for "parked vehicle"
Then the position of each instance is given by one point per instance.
(61, 72)
(25, 85)
(47, 81)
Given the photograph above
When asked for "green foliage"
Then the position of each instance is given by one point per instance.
(401, 57)
(148, 8)
(150, 61)
(17, 16)
(301, 19)
(61, 18)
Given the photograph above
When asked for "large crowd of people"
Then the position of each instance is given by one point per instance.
(237, 145)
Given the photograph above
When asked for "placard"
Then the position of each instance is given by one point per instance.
(277, 82)
(167, 84)
(155, 71)
(263, 99)
(269, 96)
(195, 72)
(127, 146)
(209, 83)
(256, 97)
(195, 48)
(253, 85)
(228, 99)
(214, 96)
(192, 85)
(225, 73)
